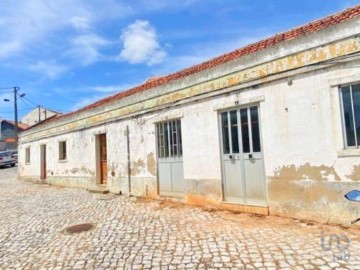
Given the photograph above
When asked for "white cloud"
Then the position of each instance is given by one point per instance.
(25, 24)
(34, 20)
(80, 23)
(9, 48)
(49, 69)
(141, 45)
(111, 88)
(86, 48)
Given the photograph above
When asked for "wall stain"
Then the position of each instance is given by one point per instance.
(74, 170)
(303, 195)
(304, 172)
(137, 166)
(151, 164)
(82, 170)
(355, 175)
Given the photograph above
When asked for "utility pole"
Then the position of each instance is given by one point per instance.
(16, 89)
(16, 128)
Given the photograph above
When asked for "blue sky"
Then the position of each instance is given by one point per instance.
(65, 54)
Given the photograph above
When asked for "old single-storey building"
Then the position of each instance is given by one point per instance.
(273, 127)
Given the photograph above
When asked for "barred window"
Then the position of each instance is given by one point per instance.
(169, 139)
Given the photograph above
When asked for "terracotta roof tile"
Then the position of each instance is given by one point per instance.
(249, 49)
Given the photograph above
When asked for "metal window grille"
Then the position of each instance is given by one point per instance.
(169, 139)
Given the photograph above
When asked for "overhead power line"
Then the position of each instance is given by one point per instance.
(45, 107)
(25, 103)
(30, 101)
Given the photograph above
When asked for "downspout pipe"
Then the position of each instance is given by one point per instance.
(128, 157)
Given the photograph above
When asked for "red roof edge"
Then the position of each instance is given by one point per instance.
(303, 30)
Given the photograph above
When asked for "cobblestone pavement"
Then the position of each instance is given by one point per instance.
(142, 234)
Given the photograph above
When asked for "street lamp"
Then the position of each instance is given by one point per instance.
(16, 89)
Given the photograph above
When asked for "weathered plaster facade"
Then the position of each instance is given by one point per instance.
(296, 86)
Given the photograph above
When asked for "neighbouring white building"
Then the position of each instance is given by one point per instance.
(271, 128)
(37, 115)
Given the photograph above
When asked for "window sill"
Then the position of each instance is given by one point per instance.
(27, 163)
(62, 160)
(355, 152)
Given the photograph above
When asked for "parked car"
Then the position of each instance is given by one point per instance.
(6, 159)
(14, 155)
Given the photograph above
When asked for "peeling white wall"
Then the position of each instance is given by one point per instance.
(302, 137)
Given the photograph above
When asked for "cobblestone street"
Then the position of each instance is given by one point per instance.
(131, 233)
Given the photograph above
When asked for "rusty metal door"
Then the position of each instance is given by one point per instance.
(169, 158)
(43, 162)
(242, 161)
(103, 159)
